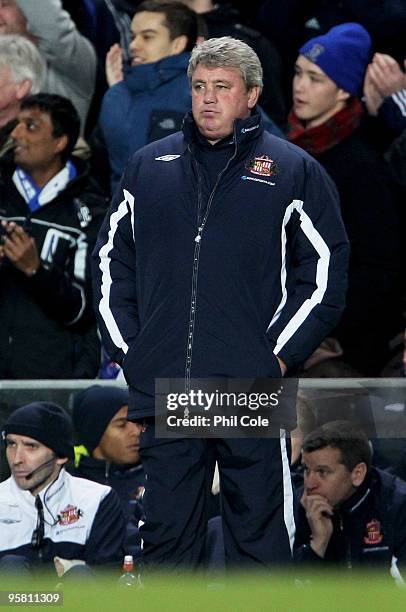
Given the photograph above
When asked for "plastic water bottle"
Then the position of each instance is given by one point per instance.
(128, 578)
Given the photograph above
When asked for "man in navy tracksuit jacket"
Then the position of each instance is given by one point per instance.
(223, 255)
(348, 514)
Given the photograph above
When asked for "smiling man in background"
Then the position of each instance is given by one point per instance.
(153, 96)
(49, 211)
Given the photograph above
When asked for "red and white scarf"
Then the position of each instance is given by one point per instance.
(318, 139)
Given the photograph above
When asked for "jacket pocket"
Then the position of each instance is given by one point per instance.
(131, 361)
(274, 367)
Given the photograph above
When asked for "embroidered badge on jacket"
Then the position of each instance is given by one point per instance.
(263, 166)
(70, 515)
(373, 534)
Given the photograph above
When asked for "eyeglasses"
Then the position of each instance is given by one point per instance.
(38, 533)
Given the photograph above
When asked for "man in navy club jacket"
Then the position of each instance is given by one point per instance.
(223, 255)
(351, 514)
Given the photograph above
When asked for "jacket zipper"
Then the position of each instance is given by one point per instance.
(347, 540)
(196, 256)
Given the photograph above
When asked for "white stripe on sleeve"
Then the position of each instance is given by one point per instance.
(321, 279)
(105, 261)
(399, 98)
(80, 258)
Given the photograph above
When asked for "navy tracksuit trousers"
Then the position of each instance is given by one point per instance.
(256, 500)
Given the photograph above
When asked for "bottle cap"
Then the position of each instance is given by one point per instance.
(128, 564)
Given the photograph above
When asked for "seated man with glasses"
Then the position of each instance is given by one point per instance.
(44, 511)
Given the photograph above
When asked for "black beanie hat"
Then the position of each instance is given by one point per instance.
(93, 410)
(45, 422)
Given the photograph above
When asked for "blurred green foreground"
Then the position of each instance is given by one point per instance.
(324, 592)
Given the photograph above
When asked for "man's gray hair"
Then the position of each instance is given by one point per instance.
(24, 60)
(228, 52)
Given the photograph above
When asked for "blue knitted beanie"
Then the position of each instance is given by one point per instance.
(343, 53)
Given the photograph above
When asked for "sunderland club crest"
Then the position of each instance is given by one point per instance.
(263, 166)
(373, 533)
(70, 515)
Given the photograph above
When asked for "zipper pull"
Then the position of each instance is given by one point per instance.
(199, 235)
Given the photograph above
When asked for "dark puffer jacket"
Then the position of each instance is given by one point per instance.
(47, 323)
(369, 528)
(206, 282)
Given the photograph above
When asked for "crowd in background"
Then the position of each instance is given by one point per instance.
(129, 91)
(92, 76)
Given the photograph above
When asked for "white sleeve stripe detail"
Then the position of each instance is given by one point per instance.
(288, 513)
(399, 97)
(80, 259)
(288, 213)
(321, 276)
(106, 281)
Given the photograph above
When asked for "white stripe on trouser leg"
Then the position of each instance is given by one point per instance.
(395, 573)
(287, 492)
(140, 524)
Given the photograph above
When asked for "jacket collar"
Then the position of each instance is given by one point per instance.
(359, 498)
(7, 168)
(147, 77)
(244, 133)
(105, 467)
(49, 495)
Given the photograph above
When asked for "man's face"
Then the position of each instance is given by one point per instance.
(12, 20)
(35, 146)
(121, 440)
(219, 96)
(24, 455)
(151, 39)
(316, 97)
(325, 475)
